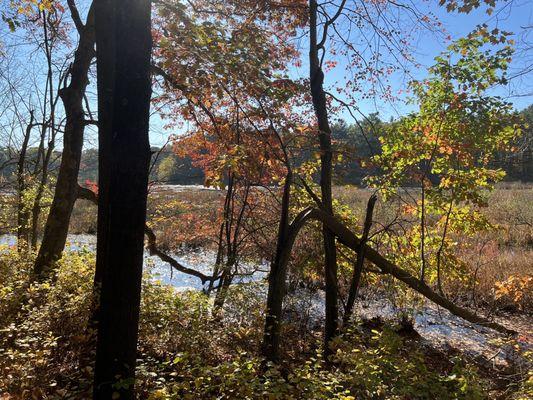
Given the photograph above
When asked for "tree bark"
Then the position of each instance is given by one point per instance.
(358, 268)
(56, 228)
(320, 106)
(124, 42)
(276, 279)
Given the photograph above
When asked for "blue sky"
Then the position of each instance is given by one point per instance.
(510, 15)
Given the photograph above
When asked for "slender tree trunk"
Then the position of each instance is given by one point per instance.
(358, 269)
(527, 163)
(36, 208)
(320, 106)
(48, 124)
(223, 237)
(276, 279)
(124, 42)
(66, 191)
(222, 291)
(218, 260)
(23, 215)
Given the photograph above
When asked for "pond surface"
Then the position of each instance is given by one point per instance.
(437, 326)
(199, 260)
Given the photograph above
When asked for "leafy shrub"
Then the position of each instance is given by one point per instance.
(47, 349)
(44, 340)
(378, 368)
(516, 290)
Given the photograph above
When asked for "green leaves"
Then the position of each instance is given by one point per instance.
(446, 150)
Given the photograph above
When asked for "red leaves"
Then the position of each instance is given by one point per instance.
(91, 185)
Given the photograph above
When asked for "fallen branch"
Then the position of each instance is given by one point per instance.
(350, 240)
(153, 249)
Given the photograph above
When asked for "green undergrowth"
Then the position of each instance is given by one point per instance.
(46, 348)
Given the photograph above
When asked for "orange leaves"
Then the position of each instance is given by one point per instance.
(446, 149)
(92, 186)
(516, 289)
(330, 64)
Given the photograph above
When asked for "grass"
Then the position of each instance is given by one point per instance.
(191, 217)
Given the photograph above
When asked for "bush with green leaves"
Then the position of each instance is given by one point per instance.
(437, 162)
(47, 346)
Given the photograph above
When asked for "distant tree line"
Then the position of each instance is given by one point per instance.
(355, 144)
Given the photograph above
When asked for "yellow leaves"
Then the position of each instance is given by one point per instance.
(158, 395)
(45, 5)
(410, 209)
(446, 182)
(28, 7)
(302, 129)
(516, 289)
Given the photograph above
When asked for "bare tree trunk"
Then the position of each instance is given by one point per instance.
(124, 42)
(220, 254)
(276, 278)
(56, 228)
(326, 155)
(36, 208)
(23, 216)
(222, 291)
(358, 268)
(47, 125)
(223, 237)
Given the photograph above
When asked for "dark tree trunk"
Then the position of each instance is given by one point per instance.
(66, 191)
(358, 268)
(320, 106)
(23, 215)
(222, 291)
(276, 279)
(123, 36)
(224, 240)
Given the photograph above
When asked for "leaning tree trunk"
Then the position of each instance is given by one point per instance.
(66, 191)
(358, 268)
(277, 277)
(124, 42)
(350, 240)
(326, 155)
